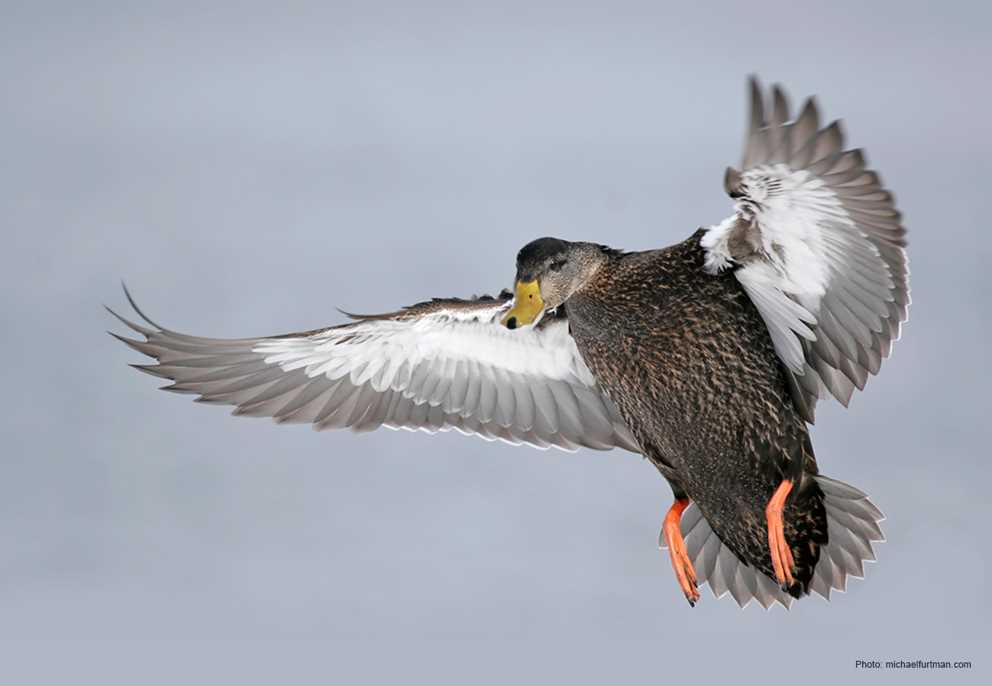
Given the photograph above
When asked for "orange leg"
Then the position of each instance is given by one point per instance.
(672, 533)
(782, 560)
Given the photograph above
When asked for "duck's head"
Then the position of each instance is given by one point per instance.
(549, 272)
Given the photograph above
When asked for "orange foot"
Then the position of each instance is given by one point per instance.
(672, 533)
(782, 560)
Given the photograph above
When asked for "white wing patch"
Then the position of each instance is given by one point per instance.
(385, 353)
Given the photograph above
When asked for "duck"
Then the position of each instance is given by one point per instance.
(707, 357)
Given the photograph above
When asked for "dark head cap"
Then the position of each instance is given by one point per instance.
(534, 256)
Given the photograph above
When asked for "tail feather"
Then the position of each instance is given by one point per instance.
(852, 528)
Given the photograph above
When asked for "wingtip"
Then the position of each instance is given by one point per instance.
(144, 331)
(134, 306)
(151, 369)
(757, 117)
(780, 104)
(811, 105)
(837, 127)
(755, 89)
(144, 347)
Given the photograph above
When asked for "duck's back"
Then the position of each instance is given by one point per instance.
(690, 364)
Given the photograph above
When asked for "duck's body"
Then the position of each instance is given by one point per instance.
(688, 361)
(707, 357)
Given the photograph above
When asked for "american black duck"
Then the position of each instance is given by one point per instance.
(708, 357)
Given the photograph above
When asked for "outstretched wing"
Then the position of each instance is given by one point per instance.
(818, 245)
(435, 366)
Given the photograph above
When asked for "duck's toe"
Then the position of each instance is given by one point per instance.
(781, 554)
(672, 533)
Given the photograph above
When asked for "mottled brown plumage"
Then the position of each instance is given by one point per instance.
(690, 365)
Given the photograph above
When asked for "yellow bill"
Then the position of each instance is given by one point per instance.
(527, 305)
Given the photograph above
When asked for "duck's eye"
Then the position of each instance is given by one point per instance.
(557, 265)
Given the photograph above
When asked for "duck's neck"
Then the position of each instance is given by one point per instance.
(585, 306)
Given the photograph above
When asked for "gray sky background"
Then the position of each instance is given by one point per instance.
(246, 169)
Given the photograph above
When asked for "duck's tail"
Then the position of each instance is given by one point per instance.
(852, 528)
